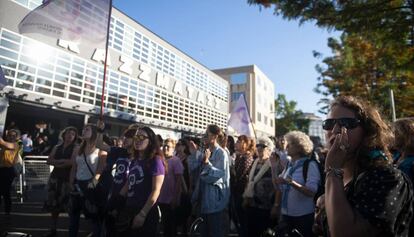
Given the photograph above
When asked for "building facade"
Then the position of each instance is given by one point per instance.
(315, 128)
(149, 81)
(258, 90)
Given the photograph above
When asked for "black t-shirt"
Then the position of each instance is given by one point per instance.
(384, 197)
(62, 154)
(113, 155)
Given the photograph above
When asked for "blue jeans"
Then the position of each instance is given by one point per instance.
(213, 224)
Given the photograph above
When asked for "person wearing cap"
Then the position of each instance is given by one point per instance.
(259, 193)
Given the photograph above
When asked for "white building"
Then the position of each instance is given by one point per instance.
(258, 90)
(315, 127)
(149, 81)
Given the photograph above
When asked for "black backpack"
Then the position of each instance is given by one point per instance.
(321, 186)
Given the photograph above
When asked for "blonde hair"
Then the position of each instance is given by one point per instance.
(173, 142)
(301, 140)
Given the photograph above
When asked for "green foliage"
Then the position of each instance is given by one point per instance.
(374, 54)
(288, 118)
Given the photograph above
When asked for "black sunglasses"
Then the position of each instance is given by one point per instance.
(348, 123)
(260, 146)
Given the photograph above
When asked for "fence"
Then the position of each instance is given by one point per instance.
(33, 178)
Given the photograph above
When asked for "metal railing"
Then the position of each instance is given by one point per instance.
(33, 176)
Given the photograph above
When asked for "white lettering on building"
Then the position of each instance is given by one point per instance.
(99, 56)
(210, 100)
(145, 72)
(126, 65)
(162, 80)
(216, 104)
(72, 46)
(190, 91)
(178, 88)
(201, 97)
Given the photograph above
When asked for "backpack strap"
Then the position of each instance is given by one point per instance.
(305, 169)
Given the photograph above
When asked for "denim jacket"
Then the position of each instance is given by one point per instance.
(213, 183)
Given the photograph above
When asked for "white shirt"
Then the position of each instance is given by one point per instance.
(82, 171)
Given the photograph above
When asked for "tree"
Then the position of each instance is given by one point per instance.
(391, 19)
(374, 54)
(361, 68)
(287, 117)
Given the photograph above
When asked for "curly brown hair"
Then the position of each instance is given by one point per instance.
(377, 132)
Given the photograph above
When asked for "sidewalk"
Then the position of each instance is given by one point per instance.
(28, 217)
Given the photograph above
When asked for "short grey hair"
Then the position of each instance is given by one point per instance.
(301, 140)
(266, 141)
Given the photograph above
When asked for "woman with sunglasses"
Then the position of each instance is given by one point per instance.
(115, 173)
(259, 193)
(140, 216)
(245, 149)
(364, 194)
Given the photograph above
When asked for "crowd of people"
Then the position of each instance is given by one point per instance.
(360, 184)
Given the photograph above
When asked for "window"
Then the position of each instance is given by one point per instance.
(236, 95)
(265, 120)
(238, 78)
(259, 117)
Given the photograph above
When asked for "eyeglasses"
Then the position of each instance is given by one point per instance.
(261, 146)
(140, 137)
(348, 123)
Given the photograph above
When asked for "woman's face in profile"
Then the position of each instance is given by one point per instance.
(355, 135)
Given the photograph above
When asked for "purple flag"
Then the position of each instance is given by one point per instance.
(71, 20)
(239, 122)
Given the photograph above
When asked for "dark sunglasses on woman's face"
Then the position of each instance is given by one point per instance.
(348, 123)
(140, 137)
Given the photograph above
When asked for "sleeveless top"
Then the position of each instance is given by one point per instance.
(82, 171)
(62, 173)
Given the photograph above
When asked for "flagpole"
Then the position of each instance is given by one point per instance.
(106, 58)
(250, 117)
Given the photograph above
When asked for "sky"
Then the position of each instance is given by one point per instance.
(230, 33)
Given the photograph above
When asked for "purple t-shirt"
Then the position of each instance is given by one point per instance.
(140, 177)
(175, 167)
(121, 174)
